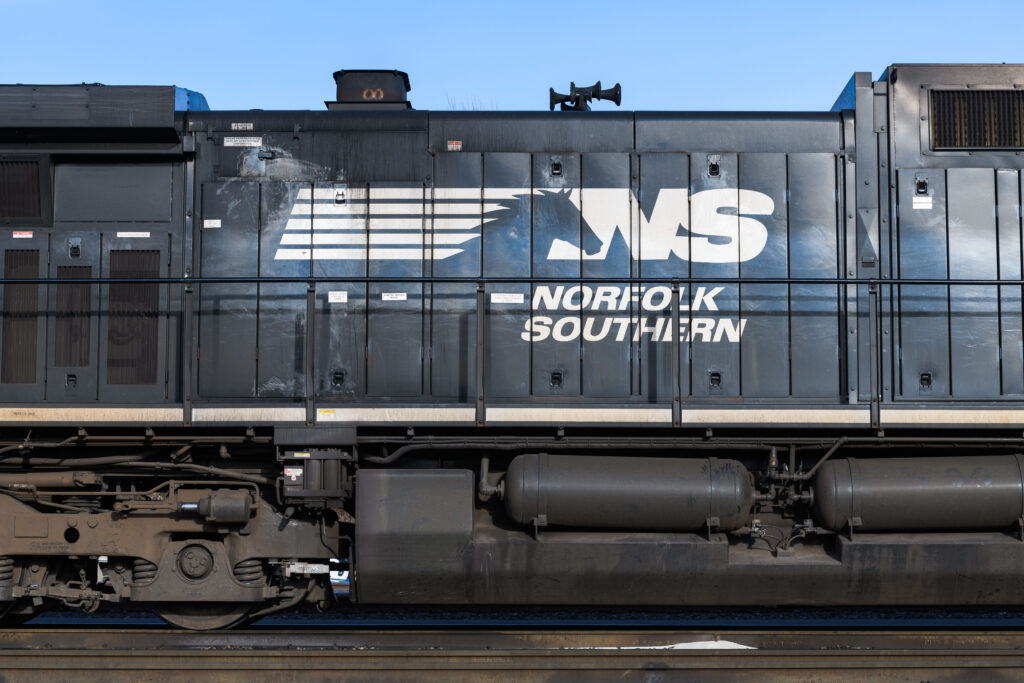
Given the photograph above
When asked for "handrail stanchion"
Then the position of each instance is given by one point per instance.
(480, 301)
(310, 340)
(875, 368)
(188, 353)
(677, 408)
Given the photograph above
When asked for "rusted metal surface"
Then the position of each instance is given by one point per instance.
(160, 655)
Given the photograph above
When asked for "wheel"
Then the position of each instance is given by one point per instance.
(204, 616)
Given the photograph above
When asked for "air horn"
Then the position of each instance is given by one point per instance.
(579, 99)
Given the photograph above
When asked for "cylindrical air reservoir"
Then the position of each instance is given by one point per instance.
(664, 494)
(965, 492)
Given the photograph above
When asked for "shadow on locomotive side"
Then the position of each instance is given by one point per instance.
(511, 358)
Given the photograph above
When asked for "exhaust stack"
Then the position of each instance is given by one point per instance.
(370, 89)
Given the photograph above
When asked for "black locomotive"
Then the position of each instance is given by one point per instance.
(572, 357)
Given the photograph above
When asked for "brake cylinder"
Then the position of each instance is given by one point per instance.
(949, 493)
(642, 494)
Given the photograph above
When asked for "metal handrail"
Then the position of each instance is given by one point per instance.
(359, 279)
(187, 351)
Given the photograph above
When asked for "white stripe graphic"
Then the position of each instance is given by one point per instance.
(388, 223)
(385, 223)
(376, 238)
(360, 254)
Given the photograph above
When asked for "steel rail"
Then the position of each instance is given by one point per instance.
(455, 654)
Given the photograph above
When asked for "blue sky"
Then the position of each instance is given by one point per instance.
(480, 55)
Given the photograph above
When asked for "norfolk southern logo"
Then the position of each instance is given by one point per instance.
(408, 224)
(402, 224)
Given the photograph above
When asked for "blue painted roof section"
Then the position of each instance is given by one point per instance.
(189, 100)
(847, 99)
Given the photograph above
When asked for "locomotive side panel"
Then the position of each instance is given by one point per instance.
(605, 196)
(664, 182)
(592, 334)
(973, 309)
(22, 366)
(455, 226)
(228, 244)
(1008, 184)
(765, 367)
(815, 309)
(507, 247)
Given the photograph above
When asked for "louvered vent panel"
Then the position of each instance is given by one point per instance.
(71, 337)
(19, 189)
(133, 326)
(20, 328)
(977, 119)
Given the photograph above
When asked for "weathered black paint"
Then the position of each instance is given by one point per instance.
(890, 278)
(795, 334)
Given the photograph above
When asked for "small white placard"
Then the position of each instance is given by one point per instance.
(241, 126)
(22, 234)
(922, 203)
(133, 234)
(507, 297)
(211, 223)
(392, 296)
(337, 297)
(243, 142)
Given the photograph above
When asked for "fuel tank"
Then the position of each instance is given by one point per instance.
(952, 493)
(611, 492)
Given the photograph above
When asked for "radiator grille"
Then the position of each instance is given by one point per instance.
(20, 327)
(19, 189)
(71, 337)
(977, 119)
(134, 323)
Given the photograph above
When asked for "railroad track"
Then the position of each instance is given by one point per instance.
(527, 655)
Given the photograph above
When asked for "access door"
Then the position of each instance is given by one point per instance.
(73, 348)
(22, 327)
(133, 327)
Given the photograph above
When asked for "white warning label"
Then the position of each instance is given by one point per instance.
(241, 126)
(337, 297)
(392, 296)
(211, 223)
(507, 297)
(238, 141)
